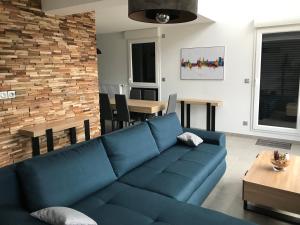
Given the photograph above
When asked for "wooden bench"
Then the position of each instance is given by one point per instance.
(35, 131)
(210, 111)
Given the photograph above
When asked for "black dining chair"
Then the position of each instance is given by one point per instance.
(150, 95)
(123, 114)
(135, 94)
(106, 112)
(172, 103)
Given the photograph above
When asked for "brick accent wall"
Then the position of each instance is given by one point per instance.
(51, 63)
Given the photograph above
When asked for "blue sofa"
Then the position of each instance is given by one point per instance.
(136, 176)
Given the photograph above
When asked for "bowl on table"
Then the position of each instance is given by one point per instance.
(280, 164)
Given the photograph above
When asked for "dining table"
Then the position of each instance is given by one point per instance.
(143, 106)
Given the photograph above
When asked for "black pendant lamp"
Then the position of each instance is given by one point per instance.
(163, 11)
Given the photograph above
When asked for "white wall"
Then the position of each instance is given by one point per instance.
(238, 42)
(233, 29)
(112, 63)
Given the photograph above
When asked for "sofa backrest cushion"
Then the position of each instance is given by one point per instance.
(63, 177)
(130, 147)
(9, 187)
(165, 130)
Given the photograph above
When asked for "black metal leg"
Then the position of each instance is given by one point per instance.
(160, 113)
(49, 135)
(271, 213)
(112, 125)
(121, 125)
(182, 113)
(208, 112)
(245, 204)
(143, 117)
(35, 146)
(87, 130)
(188, 115)
(102, 124)
(73, 138)
(213, 118)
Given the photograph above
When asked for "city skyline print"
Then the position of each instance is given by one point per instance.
(202, 63)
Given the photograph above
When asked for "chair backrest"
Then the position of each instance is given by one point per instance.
(150, 95)
(122, 108)
(172, 103)
(136, 93)
(105, 107)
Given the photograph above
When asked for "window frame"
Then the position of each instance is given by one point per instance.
(156, 84)
(256, 87)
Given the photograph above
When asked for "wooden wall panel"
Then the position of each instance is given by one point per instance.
(51, 63)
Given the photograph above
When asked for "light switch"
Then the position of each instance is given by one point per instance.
(11, 94)
(3, 95)
(245, 123)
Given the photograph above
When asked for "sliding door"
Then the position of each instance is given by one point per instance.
(276, 103)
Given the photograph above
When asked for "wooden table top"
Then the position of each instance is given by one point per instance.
(142, 106)
(58, 125)
(195, 101)
(262, 173)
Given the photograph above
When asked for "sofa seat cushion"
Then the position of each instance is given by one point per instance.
(13, 215)
(63, 177)
(178, 171)
(165, 130)
(130, 147)
(121, 204)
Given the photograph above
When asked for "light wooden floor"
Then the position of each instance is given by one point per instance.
(227, 196)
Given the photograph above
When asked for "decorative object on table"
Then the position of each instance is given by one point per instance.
(62, 216)
(190, 139)
(204, 63)
(280, 161)
(163, 12)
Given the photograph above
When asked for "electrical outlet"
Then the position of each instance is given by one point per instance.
(246, 80)
(11, 94)
(245, 123)
(3, 95)
(163, 79)
(163, 36)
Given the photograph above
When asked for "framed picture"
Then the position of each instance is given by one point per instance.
(203, 63)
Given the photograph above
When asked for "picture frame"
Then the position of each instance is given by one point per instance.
(202, 63)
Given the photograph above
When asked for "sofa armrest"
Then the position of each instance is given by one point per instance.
(210, 137)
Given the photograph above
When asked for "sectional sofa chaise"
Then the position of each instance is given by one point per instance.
(135, 176)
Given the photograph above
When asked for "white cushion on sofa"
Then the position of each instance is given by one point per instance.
(63, 216)
(190, 139)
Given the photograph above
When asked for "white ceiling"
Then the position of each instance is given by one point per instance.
(111, 15)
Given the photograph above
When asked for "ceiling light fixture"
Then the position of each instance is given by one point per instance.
(163, 11)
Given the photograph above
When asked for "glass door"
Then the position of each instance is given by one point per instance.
(144, 66)
(277, 82)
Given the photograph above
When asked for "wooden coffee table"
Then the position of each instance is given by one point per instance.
(276, 194)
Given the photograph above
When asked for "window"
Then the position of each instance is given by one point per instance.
(277, 86)
(143, 62)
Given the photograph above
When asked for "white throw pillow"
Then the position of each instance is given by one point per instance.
(62, 216)
(190, 139)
